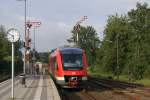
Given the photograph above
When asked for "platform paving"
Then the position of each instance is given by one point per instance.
(38, 87)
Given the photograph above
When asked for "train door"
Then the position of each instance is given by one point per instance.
(54, 66)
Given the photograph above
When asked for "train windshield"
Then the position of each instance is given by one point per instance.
(72, 61)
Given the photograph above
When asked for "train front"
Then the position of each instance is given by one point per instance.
(74, 67)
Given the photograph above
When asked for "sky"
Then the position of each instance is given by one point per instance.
(59, 16)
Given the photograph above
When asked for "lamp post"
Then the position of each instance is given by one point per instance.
(25, 38)
(24, 66)
(25, 43)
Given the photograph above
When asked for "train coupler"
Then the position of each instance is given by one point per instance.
(72, 82)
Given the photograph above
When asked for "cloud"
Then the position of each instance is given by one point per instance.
(59, 16)
(52, 35)
(132, 3)
(22, 18)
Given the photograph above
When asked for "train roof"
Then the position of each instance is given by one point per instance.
(69, 50)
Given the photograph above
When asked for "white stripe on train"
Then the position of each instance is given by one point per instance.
(62, 78)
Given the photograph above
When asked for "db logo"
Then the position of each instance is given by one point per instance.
(73, 73)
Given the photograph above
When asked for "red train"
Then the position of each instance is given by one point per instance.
(68, 67)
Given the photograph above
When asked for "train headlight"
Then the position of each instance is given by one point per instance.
(74, 78)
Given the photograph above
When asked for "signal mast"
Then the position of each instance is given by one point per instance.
(77, 28)
(29, 24)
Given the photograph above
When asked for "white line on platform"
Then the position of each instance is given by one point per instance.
(52, 90)
(49, 91)
(39, 90)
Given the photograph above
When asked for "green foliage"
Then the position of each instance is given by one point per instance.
(88, 40)
(5, 49)
(147, 72)
(43, 57)
(139, 47)
(127, 36)
(115, 44)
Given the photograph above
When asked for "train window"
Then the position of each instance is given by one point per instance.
(72, 61)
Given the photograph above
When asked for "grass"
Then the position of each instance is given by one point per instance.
(124, 78)
(145, 82)
(99, 73)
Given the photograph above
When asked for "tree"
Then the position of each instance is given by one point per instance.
(139, 40)
(5, 53)
(129, 35)
(115, 44)
(88, 40)
(5, 49)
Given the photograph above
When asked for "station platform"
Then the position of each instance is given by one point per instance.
(38, 87)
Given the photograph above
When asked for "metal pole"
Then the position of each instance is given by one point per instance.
(117, 58)
(33, 58)
(77, 39)
(12, 70)
(25, 40)
(34, 37)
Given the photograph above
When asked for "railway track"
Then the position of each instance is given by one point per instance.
(101, 89)
(132, 91)
(115, 83)
(111, 84)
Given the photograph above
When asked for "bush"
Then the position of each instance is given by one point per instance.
(138, 72)
(147, 72)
